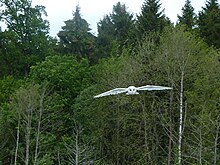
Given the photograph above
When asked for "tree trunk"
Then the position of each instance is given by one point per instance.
(39, 127)
(145, 133)
(27, 136)
(37, 143)
(181, 121)
(58, 158)
(170, 131)
(17, 141)
(200, 145)
(77, 148)
(216, 140)
(117, 136)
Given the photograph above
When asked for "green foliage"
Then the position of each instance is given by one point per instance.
(105, 37)
(115, 31)
(183, 52)
(204, 106)
(30, 32)
(64, 74)
(54, 107)
(46, 160)
(125, 126)
(151, 18)
(75, 37)
(123, 24)
(188, 17)
(20, 17)
(66, 78)
(209, 23)
(7, 130)
(10, 55)
(7, 87)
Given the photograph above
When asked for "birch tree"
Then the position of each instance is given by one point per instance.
(25, 104)
(179, 55)
(78, 152)
(29, 104)
(41, 108)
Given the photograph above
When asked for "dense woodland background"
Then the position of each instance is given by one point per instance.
(47, 111)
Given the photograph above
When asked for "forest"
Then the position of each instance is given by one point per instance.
(48, 113)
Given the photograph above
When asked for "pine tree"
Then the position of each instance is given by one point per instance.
(75, 36)
(123, 22)
(151, 19)
(209, 23)
(115, 31)
(105, 37)
(188, 16)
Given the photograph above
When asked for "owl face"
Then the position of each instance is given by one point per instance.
(131, 90)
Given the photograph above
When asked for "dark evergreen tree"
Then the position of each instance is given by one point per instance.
(188, 16)
(105, 37)
(115, 31)
(151, 19)
(75, 36)
(123, 23)
(209, 23)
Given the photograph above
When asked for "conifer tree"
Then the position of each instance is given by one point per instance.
(209, 22)
(115, 30)
(188, 16)
(123, 22)
(151, 19)
(105, 37)
(75, 36)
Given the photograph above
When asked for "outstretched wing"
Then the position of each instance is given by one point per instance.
(153, 88)
(112, 92)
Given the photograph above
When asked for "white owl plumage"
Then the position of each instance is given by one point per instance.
(131, 90)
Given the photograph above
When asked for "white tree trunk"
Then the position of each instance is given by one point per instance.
(26, 102)
(37, 143)
(170, 130)
(117, 132)
(216, 140)
(181, 121)
(17, 141)
(39, 126)
(58, 157)
(27, 136)
(200, 145)
(77, 148)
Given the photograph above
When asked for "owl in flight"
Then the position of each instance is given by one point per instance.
(132, 90)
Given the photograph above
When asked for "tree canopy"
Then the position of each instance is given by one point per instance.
(75, 36)
(208, 22)
(188, 16)
(29, 32)
(115, 31)
(152, 17)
